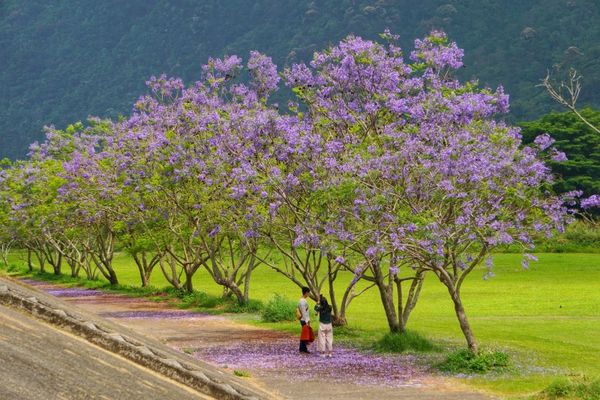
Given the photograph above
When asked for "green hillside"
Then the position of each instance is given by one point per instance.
(63, 60)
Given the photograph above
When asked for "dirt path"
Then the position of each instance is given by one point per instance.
(270, 358)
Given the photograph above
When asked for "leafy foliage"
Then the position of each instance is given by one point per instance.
(580, 237)
(464, 361)
(403, 342)
(563, 388)
(578, 141)
(252, 306)
(279, 308)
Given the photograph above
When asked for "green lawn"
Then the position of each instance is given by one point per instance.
(547, 317)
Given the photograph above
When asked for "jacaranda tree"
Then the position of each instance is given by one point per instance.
(427, 180)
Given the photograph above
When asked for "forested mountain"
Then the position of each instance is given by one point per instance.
(63, 60)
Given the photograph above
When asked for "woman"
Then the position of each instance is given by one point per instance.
(325, 337)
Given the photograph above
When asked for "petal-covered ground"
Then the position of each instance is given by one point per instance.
(346, 365)
(72, 292)
(163, 314)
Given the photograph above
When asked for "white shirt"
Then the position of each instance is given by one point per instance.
(303, 306)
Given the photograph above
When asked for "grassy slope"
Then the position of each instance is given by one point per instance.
(547, 317)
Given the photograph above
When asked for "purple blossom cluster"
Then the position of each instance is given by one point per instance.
(264, 73)
(431, 53)
(591, 202)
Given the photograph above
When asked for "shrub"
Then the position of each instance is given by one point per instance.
(219, 304)
(581, 236)
(463, 361)
(13, 268)
(135, 291)
(279, 308)
(402, 342)
(560, 388)
(563, 388)
(253, 306)
(195, 299)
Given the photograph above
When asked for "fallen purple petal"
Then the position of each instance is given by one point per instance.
(73, 292)
(346, 365)
(166, 314)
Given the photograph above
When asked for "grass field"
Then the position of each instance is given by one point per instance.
(547, 318)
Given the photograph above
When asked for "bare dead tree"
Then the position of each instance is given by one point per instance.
(566, 93)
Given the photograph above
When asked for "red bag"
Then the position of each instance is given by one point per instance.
(307, 334)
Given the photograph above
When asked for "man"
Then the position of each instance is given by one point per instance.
(304, 318)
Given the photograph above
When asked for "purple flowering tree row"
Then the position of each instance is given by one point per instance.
(386, 168)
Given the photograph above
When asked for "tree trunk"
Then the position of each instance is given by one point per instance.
(189, 273)
(386, 292)
(411, 299)
(462, 317)
(339, 314)
(57, 264)
(249, 269)
(5, 250)
(75, 266)
(29, 263)
(401, 320)
(144, 278)
(106, 252)
(339, 320)
(41, 260)
(143, 268)
(106, 270)
(239, 295)
(390, 311)
(171, 276)
(246, 297)
(340, 317)
(91, 272)
(72, 258)
(112, 277)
